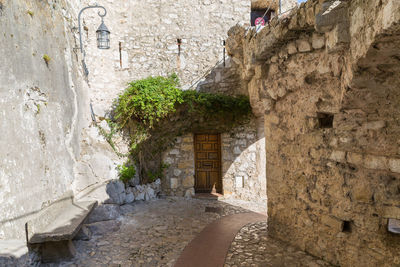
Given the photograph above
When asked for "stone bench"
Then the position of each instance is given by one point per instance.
(51, 232)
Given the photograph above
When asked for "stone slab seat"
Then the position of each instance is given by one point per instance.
(51, 232)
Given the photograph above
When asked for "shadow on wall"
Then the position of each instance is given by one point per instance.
(243, 162)
(195, 165)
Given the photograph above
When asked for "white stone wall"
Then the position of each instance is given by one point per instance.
(48, 145)
(287, 5)
(39, 111)
(148, 31)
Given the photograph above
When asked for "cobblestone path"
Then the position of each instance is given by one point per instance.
(154, 233)
(252, 247)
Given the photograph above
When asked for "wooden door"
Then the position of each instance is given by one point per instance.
(208, 163)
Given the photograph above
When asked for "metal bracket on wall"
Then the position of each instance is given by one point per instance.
(394, 226)
(92, 114)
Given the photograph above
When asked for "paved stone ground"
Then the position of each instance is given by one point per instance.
(252, 247)
(153, 233)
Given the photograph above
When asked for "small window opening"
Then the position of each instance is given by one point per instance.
(325, 120)
(346, 228)
(261, 16)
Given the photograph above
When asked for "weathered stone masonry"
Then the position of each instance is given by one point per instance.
(49, 144)
(327, 79)
(243, 167)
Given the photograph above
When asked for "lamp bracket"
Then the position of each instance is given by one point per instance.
(102, 15)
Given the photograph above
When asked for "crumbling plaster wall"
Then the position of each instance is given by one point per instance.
(45, 118)
(330, 190)
(39, 111)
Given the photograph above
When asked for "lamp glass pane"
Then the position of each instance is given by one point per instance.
(103, 39)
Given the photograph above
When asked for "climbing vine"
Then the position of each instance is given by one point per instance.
(154, 111)
(148, 100)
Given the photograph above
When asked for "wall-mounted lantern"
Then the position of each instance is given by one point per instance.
(103, 34)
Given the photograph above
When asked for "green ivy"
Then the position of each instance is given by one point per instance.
(154, 111)
(126, 172)
(109, 135)
(148, 100)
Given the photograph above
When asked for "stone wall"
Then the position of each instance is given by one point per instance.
(179, 176)
(223, 79)
(285, 5)
(147, 32)
(38, 111)
(48, 144)
(327, 80)
(243, 164)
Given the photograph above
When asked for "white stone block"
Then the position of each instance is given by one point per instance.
(174, 152)
(174, 183)
(303, 45)
(169, 160)
(237, 150)
(374, 125)
(375, 162)
(318, 41)
(339, 156)
(239, 182)
(292, 49)
(394, 165)
(177, 172)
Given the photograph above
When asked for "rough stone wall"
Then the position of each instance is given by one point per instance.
(223, 79)
(38, 111)
(285, 6)
(48, 143)
(148, 32)
(243, 164)
(55, 131)
(327, 80)
(179, 176)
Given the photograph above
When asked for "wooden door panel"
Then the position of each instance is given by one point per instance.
(213, 137)
(208, 163)
(207, 147)
(213, 155)
(201, 137)
(201, 155)
(201, 179)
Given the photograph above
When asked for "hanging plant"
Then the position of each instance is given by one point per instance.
(154, 111)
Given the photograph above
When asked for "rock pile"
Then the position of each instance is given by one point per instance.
(121, 193)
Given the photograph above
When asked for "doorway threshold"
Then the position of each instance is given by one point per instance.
(209, 196)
